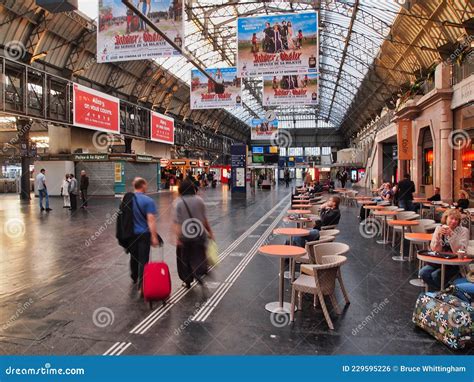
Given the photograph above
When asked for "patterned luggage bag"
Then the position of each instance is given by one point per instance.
(446, 317)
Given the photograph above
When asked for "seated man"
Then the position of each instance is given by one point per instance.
(329, 215)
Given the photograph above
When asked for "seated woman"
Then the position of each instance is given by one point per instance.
(329, 215)
(463, 201)
(449, 237)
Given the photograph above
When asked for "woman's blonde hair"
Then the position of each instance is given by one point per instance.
(453, 213)
(464, 194)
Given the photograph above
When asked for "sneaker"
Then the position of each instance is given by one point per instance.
(42, 209)
(49, 209)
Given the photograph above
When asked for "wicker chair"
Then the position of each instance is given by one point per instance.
(329, 232)
(310, 257)
(321, 282)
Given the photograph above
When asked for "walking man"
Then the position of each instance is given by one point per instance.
(73, 192)
(84, 185)
(144, 228)
(42, 190)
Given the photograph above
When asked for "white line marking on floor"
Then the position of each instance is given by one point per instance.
(214, 300)
(154, 316)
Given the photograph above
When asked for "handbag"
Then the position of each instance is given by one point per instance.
(212, 253)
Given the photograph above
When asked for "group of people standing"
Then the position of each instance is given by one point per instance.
(278, 38)
(69, 190)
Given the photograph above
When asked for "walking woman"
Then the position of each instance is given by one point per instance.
(192, 229)
(65, 192)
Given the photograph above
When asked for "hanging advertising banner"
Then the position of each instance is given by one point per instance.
(276, 45)
(405, 140)
(290, 90)
(226, 92)
(95, 110)
(262, 129)
(162, 128)
(123, 36)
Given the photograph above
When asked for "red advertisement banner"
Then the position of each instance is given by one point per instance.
(95, 110)
(162, 128)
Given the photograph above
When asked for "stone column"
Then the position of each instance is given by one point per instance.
(445, 158)
(59, 139)
(23, 127)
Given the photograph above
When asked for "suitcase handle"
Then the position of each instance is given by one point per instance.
(161, 251)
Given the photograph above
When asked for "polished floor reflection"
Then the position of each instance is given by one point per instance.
(65, 288)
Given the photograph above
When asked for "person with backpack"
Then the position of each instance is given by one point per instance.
(192, 229)
(136, 228)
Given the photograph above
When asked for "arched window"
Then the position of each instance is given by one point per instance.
(428, 156)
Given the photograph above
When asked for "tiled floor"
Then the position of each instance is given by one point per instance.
(63, 294)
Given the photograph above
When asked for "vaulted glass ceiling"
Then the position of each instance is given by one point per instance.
(351, 33)
(370, 51)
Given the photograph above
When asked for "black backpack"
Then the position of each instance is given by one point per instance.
(124, 228)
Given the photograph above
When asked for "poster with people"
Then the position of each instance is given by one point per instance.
(123, 36)
(224, 91)
(278, 44)
(263, 129)
(290, 89)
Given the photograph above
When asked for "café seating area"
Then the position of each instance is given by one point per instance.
(316, 278)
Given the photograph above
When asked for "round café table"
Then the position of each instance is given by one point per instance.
(417, 237)
(282, 252)
(301, 196)
(384, 215)
(403, 224)
(443, 262)
(299, 212)
(300, 221)
(366, 202)
(367, 207)
(291, 232)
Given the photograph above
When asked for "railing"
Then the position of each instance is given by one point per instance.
(464, 69)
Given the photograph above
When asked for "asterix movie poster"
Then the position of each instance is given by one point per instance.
(293, 89)
(224, 91)
(277, 45)
(123, 36)
(263, 130)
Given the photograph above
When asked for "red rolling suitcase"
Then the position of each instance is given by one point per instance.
(156, 282)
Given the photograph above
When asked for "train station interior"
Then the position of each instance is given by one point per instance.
(325, 149)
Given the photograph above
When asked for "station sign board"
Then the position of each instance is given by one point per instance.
(89, 157)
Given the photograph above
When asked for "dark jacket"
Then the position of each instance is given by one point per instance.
(435, 198)
(328, 217)
(124, 225)
(84, 182)
(406, 188)
(463, 204)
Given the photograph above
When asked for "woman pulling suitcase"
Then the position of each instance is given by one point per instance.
(192, 230)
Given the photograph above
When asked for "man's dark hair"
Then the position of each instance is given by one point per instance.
(138, 183)
(187, 188)
(42, 170)
(407, 176)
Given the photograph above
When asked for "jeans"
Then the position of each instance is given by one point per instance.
(431, 274)
(300, 241)
(43, 194)
(466, 287)
(139, 256)
(407, 205)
